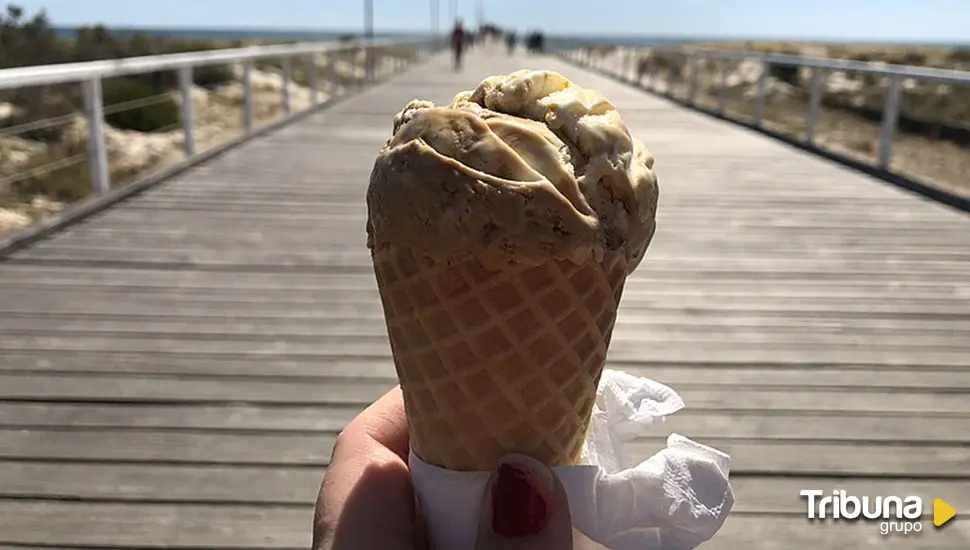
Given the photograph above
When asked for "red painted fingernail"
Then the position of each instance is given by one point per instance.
(518, 509)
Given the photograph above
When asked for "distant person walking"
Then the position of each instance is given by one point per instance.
(510, 42)
(458, 38)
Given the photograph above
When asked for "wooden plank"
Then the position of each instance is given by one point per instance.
(366, 293)
(160, 446)
(287, 486)
(204, 233)
(765, 457)
(327, 320)
(681, 348)
(648, 281)
(644, 329)
(349, 391)
(275, 485)
(864, 229)
(875, 426)
(139, 526)
(685, 308)
(134, 526)
(103, 388)
(330, 417)
(270, 253)
(807, 375)
(686, 350)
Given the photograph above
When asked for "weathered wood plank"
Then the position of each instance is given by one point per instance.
(698, 422)
(326, 321)
(280, 485)
(139, 526)
(268, 448)
(684, 348)
(810, 376)
(671, 352)
(134, 526)
(351, 390)
(687, 308)
(262, 253)
(649, 280)
(330, 417)
(833, 333)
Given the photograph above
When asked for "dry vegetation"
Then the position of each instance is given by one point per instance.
(932, 143)
(35, 186)
(43, 167)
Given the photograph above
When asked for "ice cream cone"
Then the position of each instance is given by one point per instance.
(498, 360)
(502, 229)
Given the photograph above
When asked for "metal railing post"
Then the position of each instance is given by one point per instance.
(761, 93)
(671, 75)
(334, 75)
(651, 72)
(97, 150)
(693, 65)
(188, 110)
(814, 104)
(890, 117)
(310, 67)
(352, 56)
(248, 96)
(287, 65)
(369, 64)
(722, 85)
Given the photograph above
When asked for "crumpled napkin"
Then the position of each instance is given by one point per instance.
(674, 500)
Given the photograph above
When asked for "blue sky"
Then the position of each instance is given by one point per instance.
(898, 20)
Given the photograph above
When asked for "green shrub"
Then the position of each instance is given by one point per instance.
(784, 73)
(211, 76)
(960, 55)
(150, 118)
(910, 58)
(40, 103)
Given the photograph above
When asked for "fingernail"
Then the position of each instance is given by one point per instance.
(519, 507)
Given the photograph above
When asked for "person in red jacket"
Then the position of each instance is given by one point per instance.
(458, 42)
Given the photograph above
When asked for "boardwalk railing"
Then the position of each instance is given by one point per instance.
(344, 66)
(675, 72)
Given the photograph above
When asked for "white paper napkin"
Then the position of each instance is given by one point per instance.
(675, 500)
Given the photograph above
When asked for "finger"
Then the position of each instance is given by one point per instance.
(366, 499)
(383, 422)
(524, 507)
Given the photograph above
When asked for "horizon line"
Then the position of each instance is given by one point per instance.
(959, 42)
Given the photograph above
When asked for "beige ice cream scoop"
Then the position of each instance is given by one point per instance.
(502, 228)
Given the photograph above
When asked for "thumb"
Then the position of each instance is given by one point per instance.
(524, 507)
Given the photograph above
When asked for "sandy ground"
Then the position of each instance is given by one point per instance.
(218, 117)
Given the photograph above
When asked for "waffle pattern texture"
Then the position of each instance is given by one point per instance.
(498, 360)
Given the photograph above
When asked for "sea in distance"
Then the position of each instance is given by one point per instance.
(553, 42)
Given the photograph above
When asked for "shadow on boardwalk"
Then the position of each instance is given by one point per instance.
(175, 369)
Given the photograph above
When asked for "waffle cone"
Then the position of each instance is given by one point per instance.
(492, 361)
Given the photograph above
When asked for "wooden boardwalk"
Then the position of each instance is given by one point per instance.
(175, 369)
